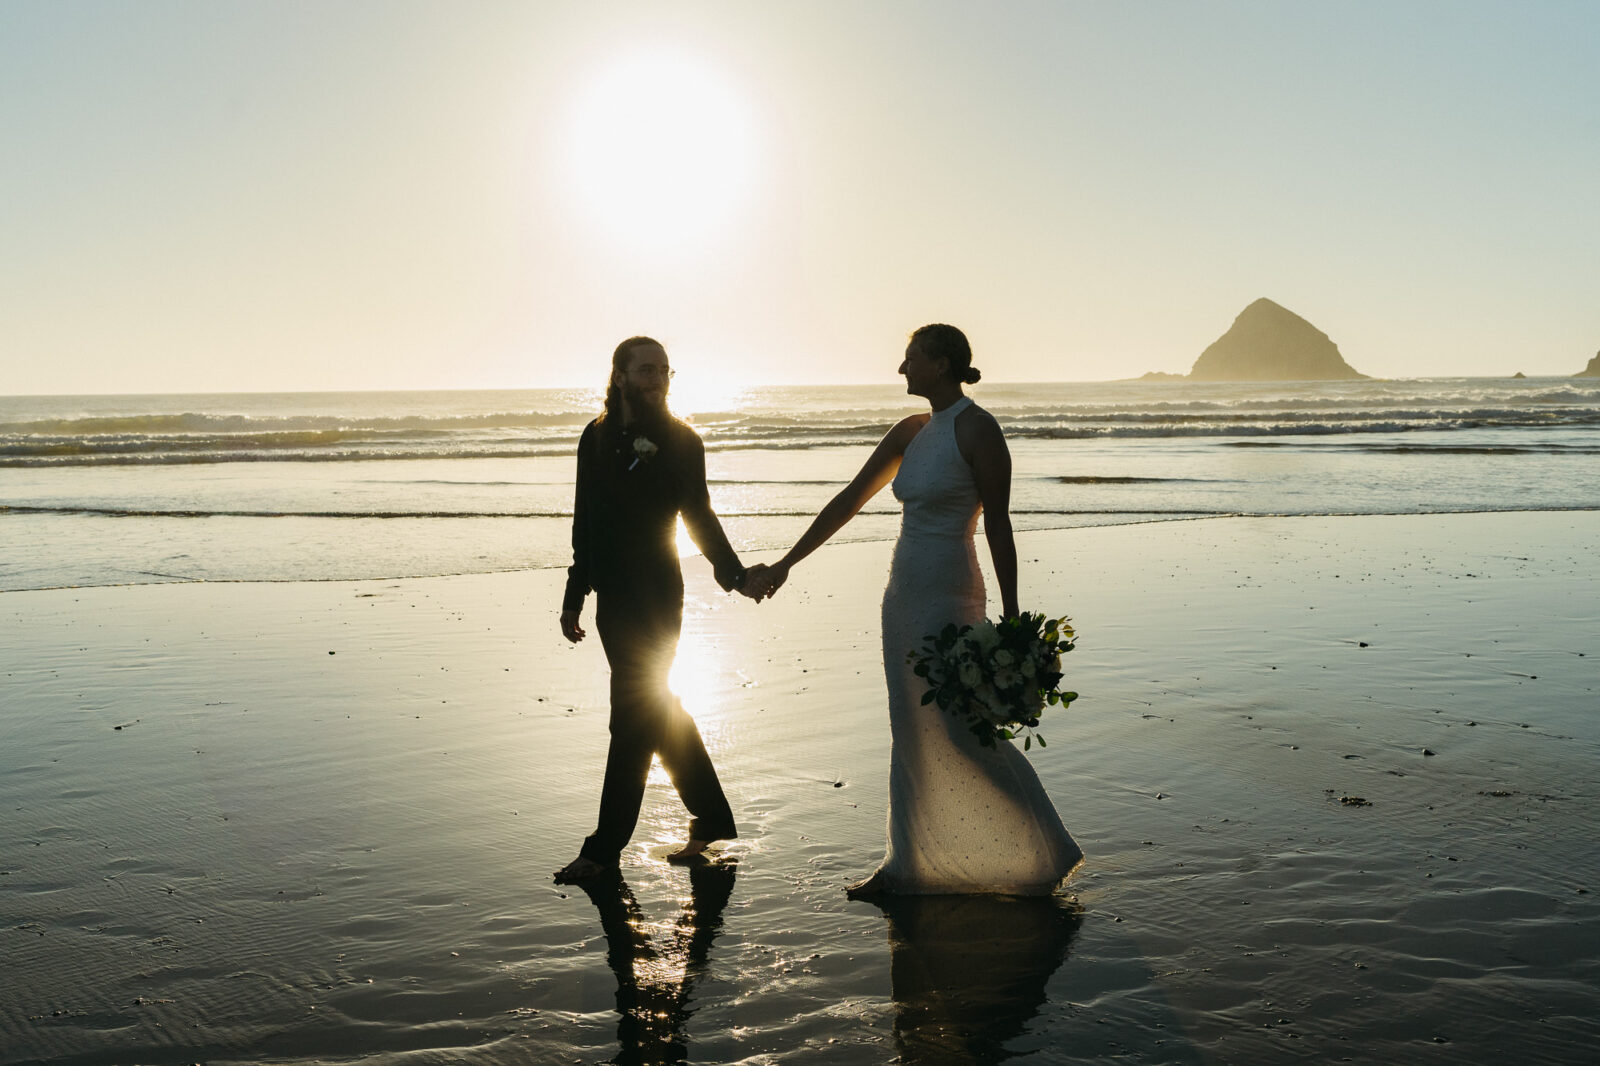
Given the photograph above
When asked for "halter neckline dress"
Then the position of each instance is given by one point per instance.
(963, 817)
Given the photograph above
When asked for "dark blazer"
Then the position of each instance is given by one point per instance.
(625, 511)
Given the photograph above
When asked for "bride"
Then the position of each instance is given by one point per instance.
(963, 818)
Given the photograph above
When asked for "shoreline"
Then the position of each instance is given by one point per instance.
(692, 553)
(317, 820)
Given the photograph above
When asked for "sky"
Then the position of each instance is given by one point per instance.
(275, 196)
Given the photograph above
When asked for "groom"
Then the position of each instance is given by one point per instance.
(638, 469)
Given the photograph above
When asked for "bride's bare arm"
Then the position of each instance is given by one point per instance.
(991, 471)
(876, 472)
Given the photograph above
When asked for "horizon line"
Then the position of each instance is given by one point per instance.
(1167, 377)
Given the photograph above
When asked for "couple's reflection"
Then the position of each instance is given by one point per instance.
(969, 972)
(656, 966)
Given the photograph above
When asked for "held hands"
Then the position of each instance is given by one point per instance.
(761, 582)
(754, 584)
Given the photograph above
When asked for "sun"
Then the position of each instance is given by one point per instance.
(700, 394)
(663, 149)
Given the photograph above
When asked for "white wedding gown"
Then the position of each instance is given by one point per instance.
(963, 818)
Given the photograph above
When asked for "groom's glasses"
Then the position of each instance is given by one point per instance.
(650, 371)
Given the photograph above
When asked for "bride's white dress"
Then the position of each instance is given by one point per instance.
(962, 817)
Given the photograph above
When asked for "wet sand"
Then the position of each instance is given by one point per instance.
(1333, 777)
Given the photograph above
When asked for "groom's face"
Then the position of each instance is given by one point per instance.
(644, 384)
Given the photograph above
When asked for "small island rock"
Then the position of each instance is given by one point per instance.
(1592, 370)
(1268, 342)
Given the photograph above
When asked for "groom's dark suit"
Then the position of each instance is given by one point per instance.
(633, 482)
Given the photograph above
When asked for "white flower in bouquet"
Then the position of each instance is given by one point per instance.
(987, 635)
(997, 676)
(992, 705)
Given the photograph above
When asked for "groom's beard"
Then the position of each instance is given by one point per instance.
(647, 407)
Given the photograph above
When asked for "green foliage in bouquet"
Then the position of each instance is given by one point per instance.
(998, 676)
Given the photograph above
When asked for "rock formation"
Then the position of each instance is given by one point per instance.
(1271, 343)
(1592, 370)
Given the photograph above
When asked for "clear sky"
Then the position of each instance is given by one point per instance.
(201, 196)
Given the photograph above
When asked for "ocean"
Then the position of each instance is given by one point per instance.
(108, 490)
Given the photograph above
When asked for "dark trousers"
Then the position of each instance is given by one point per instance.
(640, 637)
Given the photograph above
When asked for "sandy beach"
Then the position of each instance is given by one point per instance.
(1333, 777)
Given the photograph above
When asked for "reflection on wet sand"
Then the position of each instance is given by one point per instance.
(969, 972)
(656, 966)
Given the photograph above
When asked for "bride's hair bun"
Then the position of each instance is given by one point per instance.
(939, 341)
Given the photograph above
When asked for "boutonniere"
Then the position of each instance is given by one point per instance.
(644, 449)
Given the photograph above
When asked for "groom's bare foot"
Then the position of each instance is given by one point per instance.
(690, 851)
(581, 869)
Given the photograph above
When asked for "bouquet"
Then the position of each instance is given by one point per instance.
(997, 675)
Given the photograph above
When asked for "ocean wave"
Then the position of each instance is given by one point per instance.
(1098, 479)
(722, 513)
(202, 424)
(1554, 448)
(1465, 400)
(161, 457)
(1421, 415)
(228, 512)
(197, 437)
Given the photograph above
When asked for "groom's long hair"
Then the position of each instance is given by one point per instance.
(619, 365)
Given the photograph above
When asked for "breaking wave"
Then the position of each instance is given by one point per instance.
(193, 437)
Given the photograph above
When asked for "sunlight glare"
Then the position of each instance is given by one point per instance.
(694, 680)
(663, 149)
(700, 396)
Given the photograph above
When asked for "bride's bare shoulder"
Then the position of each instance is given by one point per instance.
(907, 428)
(978, 431)
(976, 419)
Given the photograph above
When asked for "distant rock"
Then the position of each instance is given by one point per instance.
(1271, 343)
(1592, 370)
(1519, 374)
(1161, 375)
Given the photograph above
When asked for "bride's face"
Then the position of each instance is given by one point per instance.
(921, 373)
